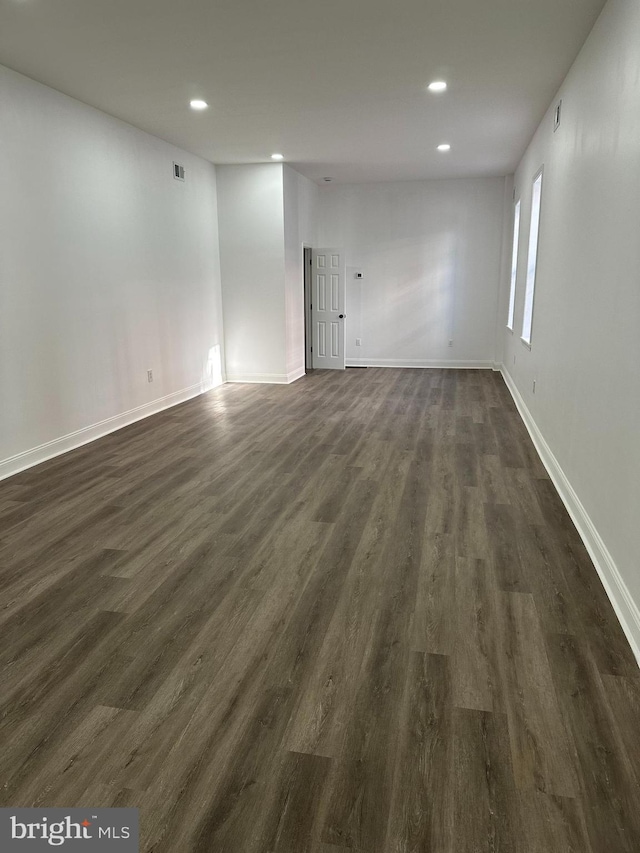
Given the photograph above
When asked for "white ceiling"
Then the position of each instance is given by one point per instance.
(337, 86)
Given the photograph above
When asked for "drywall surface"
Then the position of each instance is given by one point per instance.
(108, 268)
(585, 347)
(430, 256)
(252, 262)
(300, 228)
(505, 269)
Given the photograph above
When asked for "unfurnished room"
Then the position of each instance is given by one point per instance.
(320, 426)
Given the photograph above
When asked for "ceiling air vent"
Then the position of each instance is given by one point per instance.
(178, 172)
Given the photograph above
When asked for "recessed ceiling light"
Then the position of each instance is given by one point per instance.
(444, 147)
(277, 156)
(437, 86)
(197, 104)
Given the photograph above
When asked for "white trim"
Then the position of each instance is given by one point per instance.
(57, 446)
(419, 362)
(625, 607)
(298, 373)
(515, 253)
(266, 378)
(533, 250)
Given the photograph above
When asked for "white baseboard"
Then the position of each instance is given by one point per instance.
(625, 607)
(36, 455)
(266, 378)
(296, 374)
(399, 362)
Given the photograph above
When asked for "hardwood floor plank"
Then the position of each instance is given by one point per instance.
(441, 509)
(476, 671)
(290, 813)
(471, 534)
(492, 478)
(541, 747)
(422, 807)
(484, 801)
(466, 464)
(82, 759)
(509, 448)
(503, 533)
(434, 627)
(523, 495)
(608, 781)
(45, 710)
(550, 823)
(623, 699)
(362, 781)
(597, 619)
(554, 600)
(319, 722)
(31, 641)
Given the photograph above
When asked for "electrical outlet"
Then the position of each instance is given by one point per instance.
(534, 386)
(450, 343)
(358, 342)
(149, 375)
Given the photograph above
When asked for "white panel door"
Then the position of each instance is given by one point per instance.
(327, 308)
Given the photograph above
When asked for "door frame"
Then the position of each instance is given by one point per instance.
(307, 263)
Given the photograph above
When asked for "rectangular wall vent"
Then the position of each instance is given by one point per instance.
(178, 172)
(556, 116)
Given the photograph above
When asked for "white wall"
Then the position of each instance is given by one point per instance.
(250, 201)
(300, 228)
(108, 267)
(430, 253)
(585, 353)
(267, 212)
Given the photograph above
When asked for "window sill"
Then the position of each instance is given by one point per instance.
(526, 343)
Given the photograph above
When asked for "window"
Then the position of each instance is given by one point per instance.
(514, 265)
(534, 230)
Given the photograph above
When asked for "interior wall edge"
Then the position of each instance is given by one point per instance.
(57, 446)
(617, 591)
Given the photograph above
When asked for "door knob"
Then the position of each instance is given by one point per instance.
(341, 316)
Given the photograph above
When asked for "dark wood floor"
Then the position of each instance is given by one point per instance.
(350, 614)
